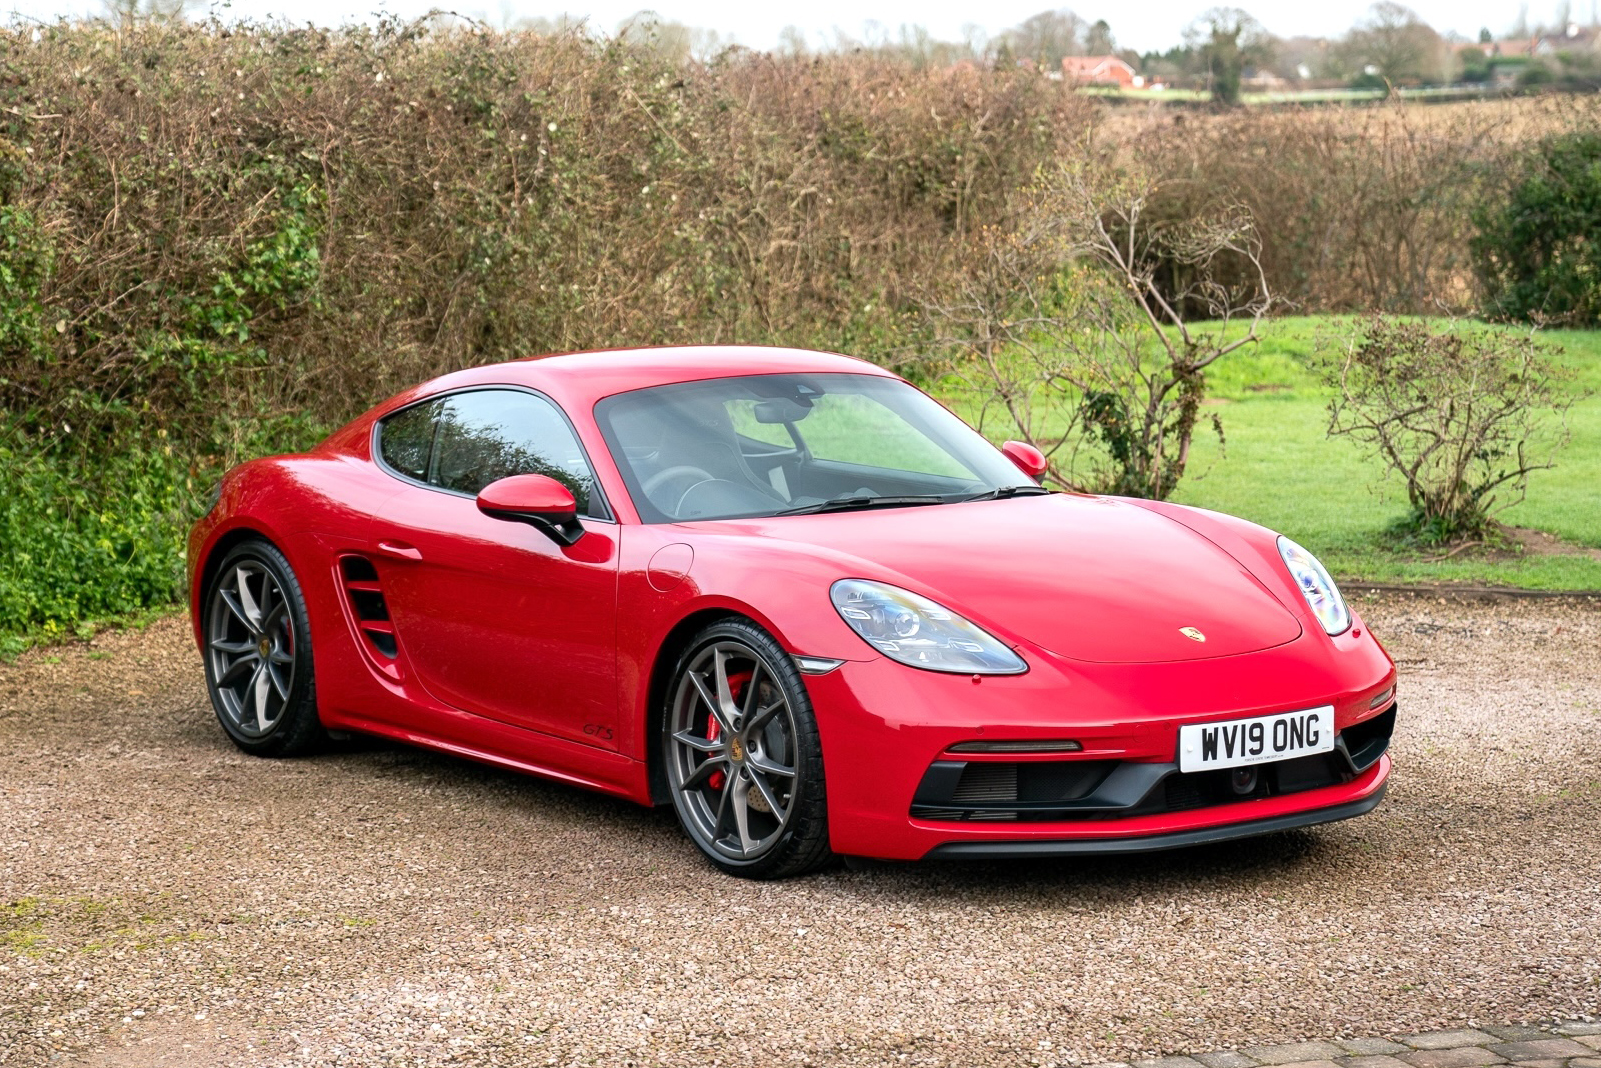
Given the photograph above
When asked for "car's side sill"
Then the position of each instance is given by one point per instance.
(1154, 842)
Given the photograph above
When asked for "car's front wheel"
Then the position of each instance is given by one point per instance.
(258, 653)
(742, 754)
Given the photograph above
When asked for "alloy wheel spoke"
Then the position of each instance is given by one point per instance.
(704, 745)
(248, 601)
(274, 615)
(741, 806)
(259, 685)
(265, 606)
(768, 767)
(710, 699)
(278, 656)
(703, 772)
(780, 813)
(238, 610)
(725, 693)
(750, 694)
(223, 645)
(757, 720)
(238, 668)
(279, 683)
(722, 805)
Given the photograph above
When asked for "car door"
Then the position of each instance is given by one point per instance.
(493, 616)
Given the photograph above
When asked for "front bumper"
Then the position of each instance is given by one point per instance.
(887, 730)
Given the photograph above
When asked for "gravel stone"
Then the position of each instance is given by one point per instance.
(166, 900)
(1447, 1039)
(1540, 1048)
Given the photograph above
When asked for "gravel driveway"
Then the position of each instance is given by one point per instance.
(167, 900)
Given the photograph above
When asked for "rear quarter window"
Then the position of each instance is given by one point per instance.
(406, 439)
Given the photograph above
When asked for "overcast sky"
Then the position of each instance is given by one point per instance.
(1147, 25)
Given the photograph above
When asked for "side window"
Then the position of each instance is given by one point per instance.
(489, 434)
(407, 437)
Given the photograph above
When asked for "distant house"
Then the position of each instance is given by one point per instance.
(1511, 48)
(1263, 81)
(1100, 70)
(1575, 39)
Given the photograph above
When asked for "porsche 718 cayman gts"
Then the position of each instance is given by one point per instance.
(795, 598)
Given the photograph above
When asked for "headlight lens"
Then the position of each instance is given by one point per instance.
(1316, 586)
(919, 633)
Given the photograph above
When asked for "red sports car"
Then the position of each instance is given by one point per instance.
(794, 597)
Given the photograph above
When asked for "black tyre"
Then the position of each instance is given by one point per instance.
(258, 653)
(743, 760)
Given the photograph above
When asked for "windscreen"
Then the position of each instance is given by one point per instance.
(765, 445)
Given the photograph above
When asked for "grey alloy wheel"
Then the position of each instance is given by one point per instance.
(258, 653)
(742, 755)
(251, 645)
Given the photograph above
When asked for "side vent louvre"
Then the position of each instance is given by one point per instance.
(367, 604)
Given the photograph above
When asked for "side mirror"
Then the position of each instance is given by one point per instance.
(537, 500)
(1028, 459)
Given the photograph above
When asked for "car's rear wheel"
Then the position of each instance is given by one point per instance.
(258, 653)
(743, 759)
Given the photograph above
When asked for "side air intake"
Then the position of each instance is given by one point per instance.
(367, 605)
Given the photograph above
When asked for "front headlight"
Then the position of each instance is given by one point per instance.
(1316, 586)
(919, 633)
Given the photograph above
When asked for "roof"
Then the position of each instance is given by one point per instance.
(1091, 65)
(579, 379)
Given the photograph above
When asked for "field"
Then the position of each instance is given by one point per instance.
(1297, 96)
(1279, 468)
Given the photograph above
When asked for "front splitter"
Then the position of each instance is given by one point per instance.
(1155, 842)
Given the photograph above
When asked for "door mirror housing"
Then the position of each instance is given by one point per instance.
(1028, 459)
(537, 500)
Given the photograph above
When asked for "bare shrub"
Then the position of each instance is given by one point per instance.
(1357, 209)
(1072, 330)
(1462, 414)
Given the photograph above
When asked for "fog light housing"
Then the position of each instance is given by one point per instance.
(1049, 745)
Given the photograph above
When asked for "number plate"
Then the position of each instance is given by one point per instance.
(1237, 742)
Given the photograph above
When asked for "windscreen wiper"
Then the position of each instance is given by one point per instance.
(860, 502)
(1026, 490)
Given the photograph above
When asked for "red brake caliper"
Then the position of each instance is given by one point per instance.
(714, 730)
(715, 779)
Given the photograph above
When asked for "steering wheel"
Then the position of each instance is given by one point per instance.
(669, 474)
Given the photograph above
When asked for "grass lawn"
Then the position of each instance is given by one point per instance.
(1280, 469)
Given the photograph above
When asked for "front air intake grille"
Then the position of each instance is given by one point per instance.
(1004, 790)
(987, 782)
(1367, 741)
(1076, 790)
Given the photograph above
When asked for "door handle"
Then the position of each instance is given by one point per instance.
(400, 549)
